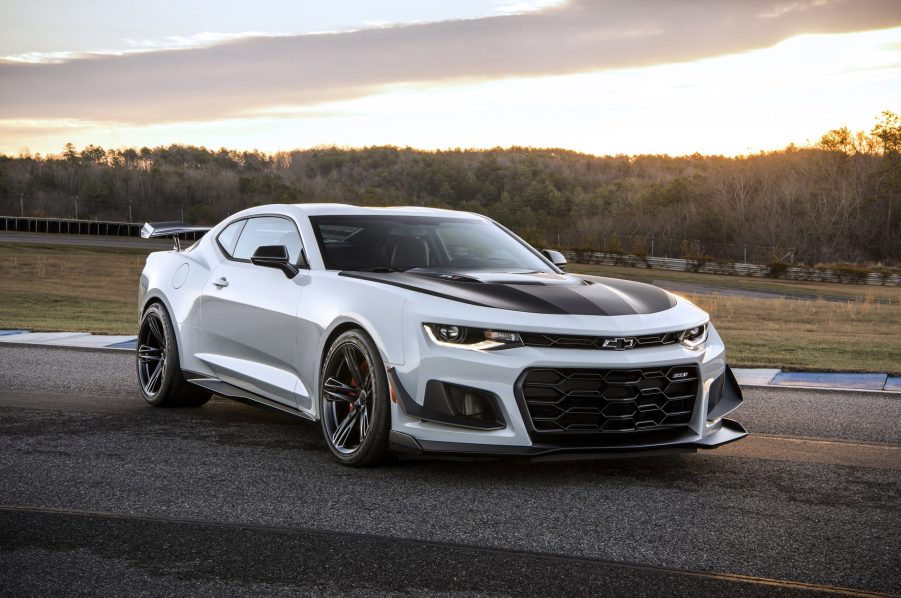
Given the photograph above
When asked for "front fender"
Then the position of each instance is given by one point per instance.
(390, 354)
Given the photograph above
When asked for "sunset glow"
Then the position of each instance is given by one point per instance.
(739, 102)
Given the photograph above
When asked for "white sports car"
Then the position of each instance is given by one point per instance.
(413, 330)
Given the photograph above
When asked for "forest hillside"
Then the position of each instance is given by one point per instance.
(836, 200)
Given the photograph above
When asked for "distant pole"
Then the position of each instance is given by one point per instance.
(129, 211)
(652, 246)
(76, 206)
(746, 255)
(22, 204)
(182, 213)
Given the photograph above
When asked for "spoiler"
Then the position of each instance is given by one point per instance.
(151, 230)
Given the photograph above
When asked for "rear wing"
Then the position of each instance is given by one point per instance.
(152, 230)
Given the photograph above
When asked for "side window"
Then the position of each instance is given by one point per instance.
(229, 236)
(268, 230)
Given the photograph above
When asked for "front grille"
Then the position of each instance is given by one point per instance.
(578, 400)
(566, 341)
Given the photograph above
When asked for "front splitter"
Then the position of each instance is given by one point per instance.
(407, 445)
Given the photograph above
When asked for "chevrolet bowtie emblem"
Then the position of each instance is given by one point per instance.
(619, 343)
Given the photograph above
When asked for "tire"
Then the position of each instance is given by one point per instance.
(354, 414)
(160, 378)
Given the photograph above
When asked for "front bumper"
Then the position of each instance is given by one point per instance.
(417, 430)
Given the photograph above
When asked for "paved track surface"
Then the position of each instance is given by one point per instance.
(102, 494)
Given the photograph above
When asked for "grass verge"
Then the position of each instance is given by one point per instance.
(807, 335)
(861, 334)
(69, 288)
(75, 288)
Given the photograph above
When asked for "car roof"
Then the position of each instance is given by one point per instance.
(336, 209)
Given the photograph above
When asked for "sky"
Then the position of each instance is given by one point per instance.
(602, 77)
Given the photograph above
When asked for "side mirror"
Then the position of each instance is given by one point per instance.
(274, 256)
(555, 257)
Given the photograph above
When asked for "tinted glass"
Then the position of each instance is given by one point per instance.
(229, 236)
(405, 242)
(268, 231)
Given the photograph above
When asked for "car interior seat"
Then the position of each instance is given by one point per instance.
(410, 252)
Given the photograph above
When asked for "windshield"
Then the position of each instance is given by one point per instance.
(406, 242)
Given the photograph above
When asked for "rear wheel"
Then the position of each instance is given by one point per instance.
(353, 400)
(159, 371)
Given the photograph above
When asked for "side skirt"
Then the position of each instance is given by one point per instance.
(224, 389)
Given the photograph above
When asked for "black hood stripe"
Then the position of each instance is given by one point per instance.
(583, 295)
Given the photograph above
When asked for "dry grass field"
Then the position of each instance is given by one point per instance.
(857, 335)
(68, 288)
(807, 335)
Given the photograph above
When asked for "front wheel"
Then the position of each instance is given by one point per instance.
(353, 400)
(159, 371)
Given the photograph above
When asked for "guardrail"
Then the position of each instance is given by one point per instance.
(66, 226)
(69, 226)
(735, 269)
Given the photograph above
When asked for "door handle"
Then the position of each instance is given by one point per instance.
(220, 283)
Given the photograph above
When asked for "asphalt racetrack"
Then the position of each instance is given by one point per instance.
(101, 494)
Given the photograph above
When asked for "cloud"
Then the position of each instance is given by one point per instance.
(171, 42)
(242, 76)
(206, 38)
(778, 10)
(524, 6)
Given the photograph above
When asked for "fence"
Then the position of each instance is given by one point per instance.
(69, 226)
(77, 227)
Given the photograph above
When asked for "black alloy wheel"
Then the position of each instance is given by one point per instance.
(152, 350)
(353, 400)
(160, 377)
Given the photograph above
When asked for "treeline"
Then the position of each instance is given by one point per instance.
(838, 200)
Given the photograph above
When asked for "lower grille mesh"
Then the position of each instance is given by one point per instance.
(577, 400)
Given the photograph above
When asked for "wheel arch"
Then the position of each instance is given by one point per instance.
(155, 296)
(342, 325)
(338, 331)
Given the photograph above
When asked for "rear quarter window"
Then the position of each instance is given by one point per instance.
(228, 238)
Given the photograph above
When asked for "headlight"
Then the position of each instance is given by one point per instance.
(693, 338)
(471, 338)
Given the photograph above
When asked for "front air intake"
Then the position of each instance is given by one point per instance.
(578, 401)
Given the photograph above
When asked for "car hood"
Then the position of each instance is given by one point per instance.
(533, 292)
